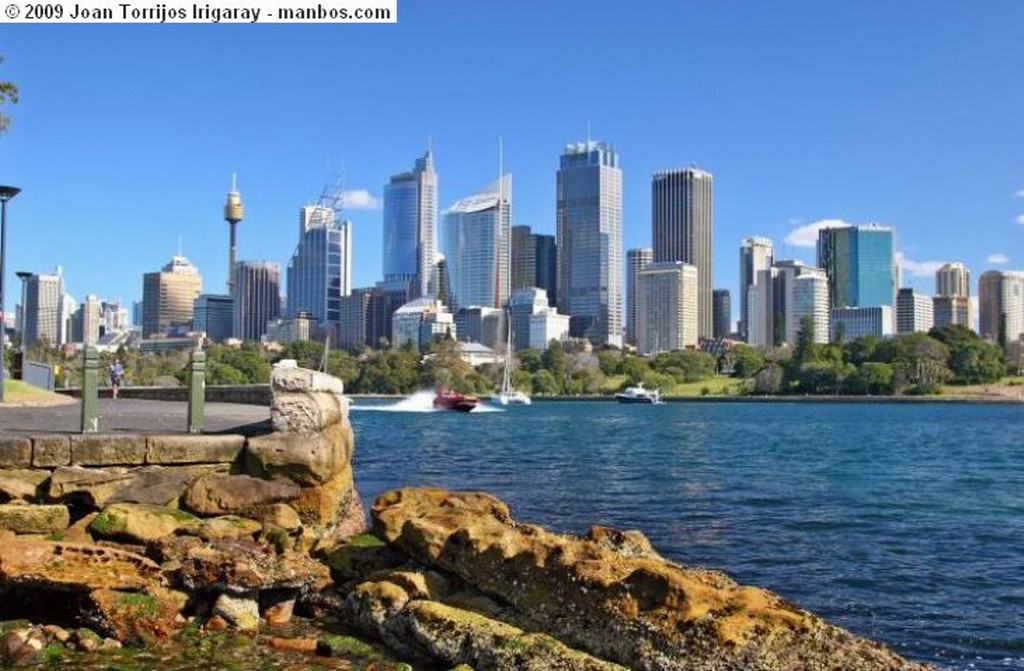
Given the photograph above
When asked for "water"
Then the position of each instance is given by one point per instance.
(902, 523)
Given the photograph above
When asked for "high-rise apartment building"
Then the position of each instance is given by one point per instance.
(683, 214)
(914, 312)
(88, 321)
(668, 314)
(772, 318)
(320, 270)
(949, 310)
(257, 298)
(756, 254)
(410, 227)
(859, 263)
(43, 309)
(1001, 306)
(636, 259)
(168, 297)
(952, 302)
(721, 309)
(953, 279)
(810, 300)
(477, 232)
(588, 212)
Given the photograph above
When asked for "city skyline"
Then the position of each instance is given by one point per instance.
(861, 119)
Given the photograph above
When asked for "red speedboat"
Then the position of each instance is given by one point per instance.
(449, 400)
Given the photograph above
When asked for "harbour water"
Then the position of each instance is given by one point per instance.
(902, 523)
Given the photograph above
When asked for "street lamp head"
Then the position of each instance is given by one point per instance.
(8, 192)
(23, 274)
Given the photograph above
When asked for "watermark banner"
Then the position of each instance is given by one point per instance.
(204, 11)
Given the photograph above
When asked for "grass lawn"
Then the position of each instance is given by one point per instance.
(17, 392)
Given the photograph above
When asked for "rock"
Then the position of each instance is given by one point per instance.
(277, 607)
(306, 645)
(95, 486)
(334, 506)
(631, 543)
(78, 532)
(240, 612)
(309, 459)
(307, 412)
(220, 494)
(360, 557)
(639, 611)
(293, 379)
(216, 623)
(21, 484)
(51, 451)
(65, 567)
(15, 452)
(275, 516)
(29, 519)
(137, 618)
(194, 449)
(138, 523)
(159, 485)
(108, 450)
(412, 622)
(226, 526)
(239, 567)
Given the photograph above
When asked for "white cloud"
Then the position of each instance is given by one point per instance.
(807, 236)
(1019, 193)
(918, 268)
(1020, 219)
(360, 199)
(997, 259)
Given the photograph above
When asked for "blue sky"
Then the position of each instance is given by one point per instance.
(909, 114)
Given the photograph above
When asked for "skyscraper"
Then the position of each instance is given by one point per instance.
(214, 315)
(667, 315)
(524, 258)
(257, 298)
(410, 227)
(953, 279)
(952, 301)
(477, 246)
(914, 312)
(547, 266)
(589, 240)
(721, 307)
(810, 299)
(1001, 306)
(636, 259)
(682, 209)
(43, 309)
(88, 321)
(320, 269)
(168, 297)
(756, 254)
(859, 263)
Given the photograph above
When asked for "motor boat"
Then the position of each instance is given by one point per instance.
(639, 394)
(449, 400)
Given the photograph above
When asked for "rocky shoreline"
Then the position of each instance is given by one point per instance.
(96, 556)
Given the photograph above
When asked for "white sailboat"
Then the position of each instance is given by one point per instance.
(508, 395)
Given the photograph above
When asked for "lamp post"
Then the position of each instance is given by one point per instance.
(23, 275)
(6, 193)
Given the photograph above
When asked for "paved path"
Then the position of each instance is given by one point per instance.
(132, 416)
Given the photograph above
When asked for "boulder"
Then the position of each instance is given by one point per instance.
(275, 516)
(307, 412)
(226, 526)
(95, 486)
(627, 607)
(240, 612)
(222, 494)
(22, 518)
(139, 523)
(290, 378)
(308, 459)
(68, 567)
(139, 618)
(159, 485)
(334, 507)
(21, 484)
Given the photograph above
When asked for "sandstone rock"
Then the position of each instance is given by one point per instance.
(276, 515)
(277, 608)
(360, 557)
(136, 617)
(307, 412)
(29, 519)
(226, 526)
(413, 623)
(306, 645)
(15, 452)
(293, 379)
(308, 459)
(78, 532)
(51, 451)
(93, 485)
(239, 567)
(139, 523)
(194, 449)
(333, 506)
(240, 612)
(108, 450)
(65, 567)
(159, 485)
(21, 484)
(220, 494)
(639, 611)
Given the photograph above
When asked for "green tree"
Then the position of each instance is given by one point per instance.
(919, 362)
(971, 359)
(530, 360)
(685, 365)
(862, 349)
(747, 361)
(544, 383)
(8, 94)
(806, 348)
(872, 377)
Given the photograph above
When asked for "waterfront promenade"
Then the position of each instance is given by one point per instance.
(129, 416)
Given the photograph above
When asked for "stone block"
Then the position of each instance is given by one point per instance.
(220, 494)
(108, 450)
(308, 459)
(200, 449)
(94, 484)
(51, 451)
(15, 452)
(290, 378)
(307, 412)
(26, 519)
(21, 484)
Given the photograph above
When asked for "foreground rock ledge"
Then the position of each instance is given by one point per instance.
(611, 596)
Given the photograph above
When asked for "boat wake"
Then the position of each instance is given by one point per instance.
(421, 401)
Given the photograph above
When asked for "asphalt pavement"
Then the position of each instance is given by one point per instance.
(134, 416)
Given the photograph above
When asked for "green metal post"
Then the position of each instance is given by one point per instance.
(90, 389)
(197, 392)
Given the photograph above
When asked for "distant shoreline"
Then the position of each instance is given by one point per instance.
(989, 400)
